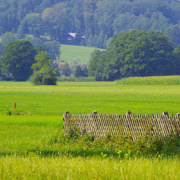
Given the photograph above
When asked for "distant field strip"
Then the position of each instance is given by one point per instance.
(84, 97)
(154, 80)
(69, 52)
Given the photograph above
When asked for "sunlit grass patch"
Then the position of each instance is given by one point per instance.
(33, 167)
(82, 53)
(85, 97)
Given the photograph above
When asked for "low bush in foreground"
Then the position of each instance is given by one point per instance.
(120, 146)
(154, 80)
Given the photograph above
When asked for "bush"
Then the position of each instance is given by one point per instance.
(46, 76)
(121, 145)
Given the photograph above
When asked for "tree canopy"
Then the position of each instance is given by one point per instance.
(134, 53)
(96, 20)
(43, 71)
(17, 59)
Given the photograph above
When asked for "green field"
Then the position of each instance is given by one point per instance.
(28, 152)
(82, 97)
(69, 53)
(151, 80)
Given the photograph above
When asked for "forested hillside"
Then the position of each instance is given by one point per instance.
(94, 21)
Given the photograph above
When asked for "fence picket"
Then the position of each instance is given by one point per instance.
(129, 124)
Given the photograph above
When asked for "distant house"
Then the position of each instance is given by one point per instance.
(72, 36)
(59, 64)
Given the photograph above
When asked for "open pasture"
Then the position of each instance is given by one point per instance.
(26, 148)
(70, 52)
(81, 97)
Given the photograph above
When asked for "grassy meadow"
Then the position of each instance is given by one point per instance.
(70, 52)
(28, 148)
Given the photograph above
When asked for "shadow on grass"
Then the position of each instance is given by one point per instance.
(68, 153)
(75, 153)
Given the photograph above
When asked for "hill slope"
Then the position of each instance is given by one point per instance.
(69, 53)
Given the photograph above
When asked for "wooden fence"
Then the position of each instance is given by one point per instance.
(118, 124)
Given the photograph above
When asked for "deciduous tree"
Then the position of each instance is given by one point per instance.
(17, 59)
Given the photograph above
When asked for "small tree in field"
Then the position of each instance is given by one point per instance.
(43, 72)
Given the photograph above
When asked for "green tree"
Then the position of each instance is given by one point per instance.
(81, 71)
(177, 60)
(6, 38)
(52, 48)
(17, 59)
(136, 53)
(65, 69)
(31, 24)
(42, 59)
(43, 72)
(94, 60)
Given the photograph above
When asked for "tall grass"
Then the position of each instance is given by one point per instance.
(64, 167)
(32, 145)
(154, 80)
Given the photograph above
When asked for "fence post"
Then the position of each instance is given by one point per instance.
(178, 115)
(65, 125)
(165, 113)
(128, 113)
(66, 114)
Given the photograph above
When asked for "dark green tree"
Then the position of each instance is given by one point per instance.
(81, 71)
(65, 69)
(177, 61)
(52, 48)
(6, 38)
(137, 53)
(17, 59)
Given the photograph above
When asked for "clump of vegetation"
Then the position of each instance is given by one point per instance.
(154, 80)
(43, 72)
(119, 145)
(15, 112)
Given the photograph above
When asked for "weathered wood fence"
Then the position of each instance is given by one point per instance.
(118, 124)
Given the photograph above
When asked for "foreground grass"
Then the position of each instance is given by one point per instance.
(69, 53)
(154, 80)
(84, 97)
(19, 134)
(27, 143)
(64, 167)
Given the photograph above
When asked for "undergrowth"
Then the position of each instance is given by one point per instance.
(18, 112)
(121, 146)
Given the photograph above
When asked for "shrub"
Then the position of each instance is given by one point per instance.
(46, 76)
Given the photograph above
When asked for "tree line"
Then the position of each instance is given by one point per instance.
(97, 20)
(21, 61)
(134, 53)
